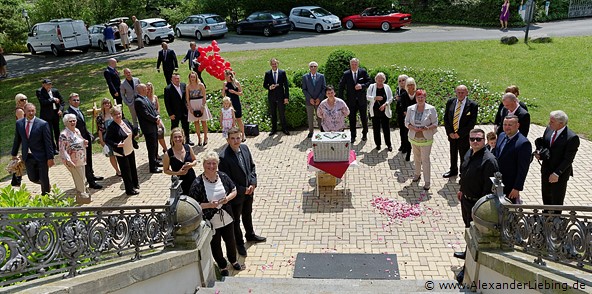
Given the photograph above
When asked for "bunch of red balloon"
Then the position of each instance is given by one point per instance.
(210, 60)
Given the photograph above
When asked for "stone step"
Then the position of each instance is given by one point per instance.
(233, 285)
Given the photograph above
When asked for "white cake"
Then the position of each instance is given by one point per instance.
(331, 146)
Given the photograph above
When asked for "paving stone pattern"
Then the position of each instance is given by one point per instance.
(294, 220)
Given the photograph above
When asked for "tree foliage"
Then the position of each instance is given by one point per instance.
(13, 27)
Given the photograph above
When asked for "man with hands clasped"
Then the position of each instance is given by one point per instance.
(313, 88)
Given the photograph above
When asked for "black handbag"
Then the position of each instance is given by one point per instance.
(251, 130)
(197, 113)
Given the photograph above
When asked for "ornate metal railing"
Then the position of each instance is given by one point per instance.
(37, 242)
(579, 8)
(564, 238)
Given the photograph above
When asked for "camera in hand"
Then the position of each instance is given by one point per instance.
(197, 113)
(543, 152)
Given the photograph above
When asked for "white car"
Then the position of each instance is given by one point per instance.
(156, 29)
(202, 26)
(313, 18)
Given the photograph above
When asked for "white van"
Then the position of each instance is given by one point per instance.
(58, 35)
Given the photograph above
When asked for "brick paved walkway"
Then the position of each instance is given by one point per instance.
(294, 220)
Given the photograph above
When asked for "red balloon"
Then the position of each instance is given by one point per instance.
(216, 49)
(214, 42)
(227, 64)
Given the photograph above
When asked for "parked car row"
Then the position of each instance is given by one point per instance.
(97, 39)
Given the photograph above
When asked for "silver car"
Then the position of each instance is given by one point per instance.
(202, 25)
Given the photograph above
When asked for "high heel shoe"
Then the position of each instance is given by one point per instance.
(237, 266)
(416, 178)
(205, 142)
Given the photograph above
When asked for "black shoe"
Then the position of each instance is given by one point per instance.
(95, 186)
(133, 192)
(460, 255)
(389, 148)
(190, 143)
(256, 239)
(99, 178)
(237, 266)
(401, 148)
(364, 138)
(450, 174)
(378, 147)
(309, 135)
(159, 163)
(408, 156)
(156, 171)
(460, 277)
(242, 251)
(272, 133)
(286, 132)
(353, 140)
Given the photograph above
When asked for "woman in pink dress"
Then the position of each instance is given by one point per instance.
(505, 15)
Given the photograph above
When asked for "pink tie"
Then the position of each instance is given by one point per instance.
(28, 128)
(553, 139)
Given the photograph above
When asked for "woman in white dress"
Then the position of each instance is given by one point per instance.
(195, 93)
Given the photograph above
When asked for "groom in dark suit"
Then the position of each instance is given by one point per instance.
(149, 121)
(513, 151)
(278, 92)
(237, 162)
(355, 81)
(459, 119)
(313, 88)
(113, 81)
(37, 147)
(176, 105)
(51, 104)
(168, 58)
(74, 101)
(563, 145)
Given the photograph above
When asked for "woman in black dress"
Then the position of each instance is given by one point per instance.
(120, 137)
(232, 88)
(399, 107)
(179, 160)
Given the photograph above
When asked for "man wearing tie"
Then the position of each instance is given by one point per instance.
(459, 119)
(237, 162)
(192, 55)
(149, 122)
(513, 151)
(113, 80)
(128, 93)
(168, 58)
(355, 81)
(37, 147)
(74, 101)
(176, 106)
(278, 92)
(313, 88)
(52, 105)
(563, 145)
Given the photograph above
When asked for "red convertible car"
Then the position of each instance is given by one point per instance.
(374, 18)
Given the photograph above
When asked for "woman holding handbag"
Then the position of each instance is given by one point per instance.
(214, 190)
(195, 93)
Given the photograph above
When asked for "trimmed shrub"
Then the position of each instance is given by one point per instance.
(297, 78)
(296, 109)
(337, 63)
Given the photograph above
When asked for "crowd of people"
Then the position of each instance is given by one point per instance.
(226, 186)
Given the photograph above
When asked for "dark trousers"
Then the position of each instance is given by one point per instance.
(404, 134)
(167, 76)
(38, 173)
(16, 180)
(226, 233)
(88, 168)
(276, 106)
(466, 206)
(129, 172)
(152, 147)
(354, 108)
(54, 126)
(381, 121)
(117, 98)
(458, 146)
(184, 125)
(554, 193)
(243, 208)
(195, 69)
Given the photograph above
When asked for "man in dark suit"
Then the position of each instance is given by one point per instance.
(513, 151)
(128, 93)
(168, 58)
(236, 161)
(192, 55)
(149, 121)
(459, 119)
(512, 106)
(113, 81)
(355, 81)
(176, 105)
(563, 145)
(313, 88)
(37, 147)
(278, 92)
(52, 105)
(74, 101)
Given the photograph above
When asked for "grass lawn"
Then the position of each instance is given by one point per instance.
(537, 69)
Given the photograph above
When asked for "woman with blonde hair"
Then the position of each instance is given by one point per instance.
(232, 88)
(103, 120)
(407, 99)
(19, 112)
(179, 160)
(195, 93)
(154, 100)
